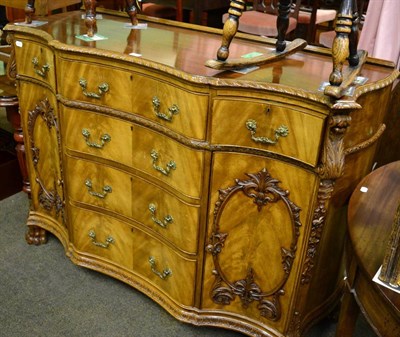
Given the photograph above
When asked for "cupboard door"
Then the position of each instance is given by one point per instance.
(40, 123)
(256, 236)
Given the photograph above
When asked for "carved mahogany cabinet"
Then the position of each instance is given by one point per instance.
(220, 195)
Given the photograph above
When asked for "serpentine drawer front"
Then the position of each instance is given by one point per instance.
(105, 238)
(221, 195)
(99, 185)
(93, 134)
(35, 60)
(158, 99)
(268, 126)
(102, 237)
(144, 202)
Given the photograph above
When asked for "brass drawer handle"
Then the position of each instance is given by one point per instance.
(40, 71)
(170, 166)
(109, 240)
(106, 189)
(162, 275)
(282, 131)
(163, 223)
(173, 110)
(103, 88)
(104, 139)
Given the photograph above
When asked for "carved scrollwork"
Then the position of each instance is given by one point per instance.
(11, 67)
(264, 190)
(333, 156)
(49, 197)
(319, 218)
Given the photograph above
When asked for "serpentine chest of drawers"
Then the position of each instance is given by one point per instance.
(220, 195)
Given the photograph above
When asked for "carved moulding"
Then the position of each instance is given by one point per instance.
(264, 190)
(331, 168)
(49, 197)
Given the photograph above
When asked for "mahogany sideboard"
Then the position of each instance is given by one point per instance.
(220, 195)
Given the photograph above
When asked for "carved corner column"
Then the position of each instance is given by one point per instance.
(331, 168)
(34, 234)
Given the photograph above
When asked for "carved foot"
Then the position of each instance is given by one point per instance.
(36, 235)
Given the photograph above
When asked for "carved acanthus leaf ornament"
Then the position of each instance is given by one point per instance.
(264, 191)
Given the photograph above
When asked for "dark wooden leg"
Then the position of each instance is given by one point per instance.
(349, 309)
(230, 27)
(353, 37)
(90, 18)
(349, 312)
(13, 117)
(29, 11)
(282, 23)
(131, 9)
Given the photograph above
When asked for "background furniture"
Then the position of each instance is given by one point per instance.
(42, 7)
(10, 175)
(197, 7)
(312, 15)
(370, 219)
(181, 180)
(13, 173)
(261, 20)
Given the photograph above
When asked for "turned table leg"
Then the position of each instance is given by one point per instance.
(230, 28)
(131, 9)
(345, 43)
(29, 11)
(282, 23)
(90, 17)
(13, 117)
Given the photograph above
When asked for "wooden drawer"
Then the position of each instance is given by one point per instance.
(176, 165)
(35, 60)
(162, 212)
(181, 110)
(91, 133)
(95, 83)
(265, 118)
(102, 236)
(107, 238)
(98, 185)
(140, 200)
(163, 267)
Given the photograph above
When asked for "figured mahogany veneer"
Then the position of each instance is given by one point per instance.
(220, 195)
